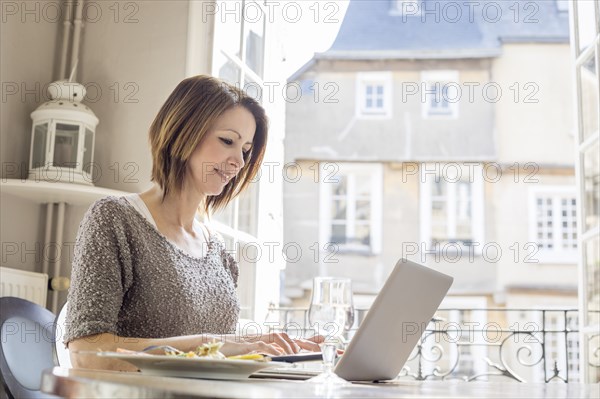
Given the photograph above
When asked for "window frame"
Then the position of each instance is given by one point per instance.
(365, 79)
(477, 207)
(440, 78)
(375, 171)
(557, 255)
(583, 48)
(258, 282)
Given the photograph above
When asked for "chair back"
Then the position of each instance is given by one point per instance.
(60, 350)
(26, 346)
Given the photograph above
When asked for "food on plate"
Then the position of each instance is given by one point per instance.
(211, 350)
(206, 351)
(250, 356)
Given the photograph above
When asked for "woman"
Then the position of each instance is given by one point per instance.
(146, 271)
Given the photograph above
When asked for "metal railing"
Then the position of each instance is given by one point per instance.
(525, 345)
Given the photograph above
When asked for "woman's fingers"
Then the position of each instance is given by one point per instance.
(267, 349)
(281, 344)
(308, 345)
(318, 339)
(285, 342)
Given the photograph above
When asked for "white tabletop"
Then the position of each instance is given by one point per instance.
(78, 383)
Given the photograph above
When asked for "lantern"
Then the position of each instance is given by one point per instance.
(62, 136)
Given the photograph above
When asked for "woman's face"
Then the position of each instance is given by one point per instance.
(219, 157)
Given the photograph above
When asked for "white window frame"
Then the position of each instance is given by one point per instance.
(582, 15)
(432, 80)
(365, 79)
(398, 7)
(258, 283)
(477, 206)
(557, 254)
(375, 170)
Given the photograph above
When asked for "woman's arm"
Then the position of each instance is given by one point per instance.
(271, 344)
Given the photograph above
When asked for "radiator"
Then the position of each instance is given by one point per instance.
(25, 285)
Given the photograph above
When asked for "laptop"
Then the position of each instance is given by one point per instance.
(391, 329)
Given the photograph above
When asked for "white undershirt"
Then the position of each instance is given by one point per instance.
(139, 205)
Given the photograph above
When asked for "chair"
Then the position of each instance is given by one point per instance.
(61, 352)
(26, 347)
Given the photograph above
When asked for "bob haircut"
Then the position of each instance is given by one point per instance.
(183, 122)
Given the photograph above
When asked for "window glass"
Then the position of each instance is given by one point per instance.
(351, 208)
(374, 96)
(451, 215)
(556, 222)
(588, 87)
(88, 150)
(66, 140)
(592, 262)
(591, 186)
(587, 17)
(227, 43)
(440, 97)
(238, 57)
(40, 137)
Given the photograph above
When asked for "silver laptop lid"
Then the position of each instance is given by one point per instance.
(394, 324)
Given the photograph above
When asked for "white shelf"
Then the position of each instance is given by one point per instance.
(43, 192)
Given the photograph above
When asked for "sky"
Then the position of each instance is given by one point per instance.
(307, 27)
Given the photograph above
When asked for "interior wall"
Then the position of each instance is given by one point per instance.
(132, 55)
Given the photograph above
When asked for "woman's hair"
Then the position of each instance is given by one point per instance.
(183, 122)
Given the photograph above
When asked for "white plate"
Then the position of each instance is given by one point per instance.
(173, 366)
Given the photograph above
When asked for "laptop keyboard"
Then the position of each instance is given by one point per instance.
(296, 371)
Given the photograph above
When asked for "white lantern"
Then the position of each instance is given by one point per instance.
(62, 136)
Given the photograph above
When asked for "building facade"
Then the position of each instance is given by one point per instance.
(442, 135)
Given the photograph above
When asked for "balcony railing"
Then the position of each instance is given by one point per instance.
(525, 345)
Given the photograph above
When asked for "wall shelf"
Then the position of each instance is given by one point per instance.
(43, 192)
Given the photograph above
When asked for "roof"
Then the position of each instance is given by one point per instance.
(445, 29)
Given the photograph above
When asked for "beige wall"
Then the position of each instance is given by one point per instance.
(334, 133)
(522, 126)
(400, 228)
(519, 131)
(143, 59)
(511, 202)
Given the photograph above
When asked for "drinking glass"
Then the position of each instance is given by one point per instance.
(331, 313)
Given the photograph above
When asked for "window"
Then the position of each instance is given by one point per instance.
(585, 47)
(406, 7)
(452, 206)
(439, 94)
(374, 95)
(238, 57)
(553, 224)
(240, 45)
(351, 196)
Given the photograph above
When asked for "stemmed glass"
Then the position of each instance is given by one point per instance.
(331, 313)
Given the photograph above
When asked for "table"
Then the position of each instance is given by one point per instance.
(79, 383)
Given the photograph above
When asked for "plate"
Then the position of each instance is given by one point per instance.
(173, 366)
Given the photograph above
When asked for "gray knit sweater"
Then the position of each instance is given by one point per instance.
(129, 280)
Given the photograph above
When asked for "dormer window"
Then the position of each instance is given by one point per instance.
(440, 94)
(406, 7)
(374, 95)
